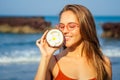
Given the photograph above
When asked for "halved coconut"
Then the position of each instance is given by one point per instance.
(54, 38)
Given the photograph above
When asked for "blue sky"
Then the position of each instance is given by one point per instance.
(53, 7)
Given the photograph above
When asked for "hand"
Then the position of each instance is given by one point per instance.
(45, 49)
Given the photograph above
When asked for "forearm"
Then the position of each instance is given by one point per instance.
(41, 73)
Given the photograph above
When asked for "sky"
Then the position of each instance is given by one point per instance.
(53, 7)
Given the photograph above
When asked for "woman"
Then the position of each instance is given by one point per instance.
(82, 58)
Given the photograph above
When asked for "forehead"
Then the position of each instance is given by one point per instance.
(68, 16)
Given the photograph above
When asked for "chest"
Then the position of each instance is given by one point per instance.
(74, 68)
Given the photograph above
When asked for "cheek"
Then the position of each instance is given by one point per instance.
(76, 37)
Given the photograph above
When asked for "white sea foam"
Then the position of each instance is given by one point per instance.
(33, 55)
(21, 56)
(18, 56)
(112, 52)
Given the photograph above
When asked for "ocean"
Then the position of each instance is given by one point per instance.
(19, 55)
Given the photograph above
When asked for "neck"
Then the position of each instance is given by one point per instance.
(75, 51)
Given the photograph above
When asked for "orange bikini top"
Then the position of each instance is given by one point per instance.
(61, 75)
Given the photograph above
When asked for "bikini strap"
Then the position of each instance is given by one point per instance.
(57, 61)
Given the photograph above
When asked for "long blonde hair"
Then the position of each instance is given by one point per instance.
(90, 41)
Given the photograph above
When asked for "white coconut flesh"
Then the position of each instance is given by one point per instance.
(54, 37)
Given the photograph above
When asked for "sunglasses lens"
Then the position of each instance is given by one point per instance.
(70, 26)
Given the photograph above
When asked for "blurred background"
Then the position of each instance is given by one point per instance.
(22, 22)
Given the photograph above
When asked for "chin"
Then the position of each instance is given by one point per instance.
(68, 45)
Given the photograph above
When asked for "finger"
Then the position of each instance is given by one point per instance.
(38, 42)
(44, 37)
(44, 34)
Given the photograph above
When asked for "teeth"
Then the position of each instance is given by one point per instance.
(67, 37)
(54, 38)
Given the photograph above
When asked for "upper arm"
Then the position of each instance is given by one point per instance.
(108, 67)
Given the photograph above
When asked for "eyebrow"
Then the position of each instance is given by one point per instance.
(69, 23)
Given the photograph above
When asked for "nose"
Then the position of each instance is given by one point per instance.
(65, 30)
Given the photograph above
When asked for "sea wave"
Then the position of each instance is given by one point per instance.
(17, 43)
(33, 55)
(115, 52)
(19, 56)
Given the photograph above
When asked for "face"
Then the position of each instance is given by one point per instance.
(69, 25)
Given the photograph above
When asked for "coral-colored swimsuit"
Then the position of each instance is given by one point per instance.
(61, 76)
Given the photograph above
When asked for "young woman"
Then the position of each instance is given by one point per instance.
(82, 58)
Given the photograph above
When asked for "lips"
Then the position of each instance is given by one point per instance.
(67, 38)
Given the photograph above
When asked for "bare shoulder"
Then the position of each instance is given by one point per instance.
(107, 60)
(107, 63)
(108, 67)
